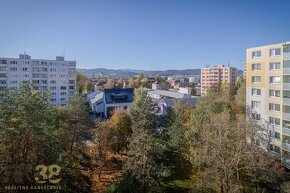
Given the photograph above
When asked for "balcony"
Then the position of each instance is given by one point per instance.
(286, 131)
(286, 116)
(286, 70)
(286, 86)
(286, 146)
(286, 101)
(286, 162)
(286, 55)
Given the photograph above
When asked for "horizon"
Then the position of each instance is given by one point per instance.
(151, 35)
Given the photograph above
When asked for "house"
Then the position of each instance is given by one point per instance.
(166, 104)
(164, 94)
(185, 90)
(96, 100)
(117, 98)
(194, 79)
(157, 85)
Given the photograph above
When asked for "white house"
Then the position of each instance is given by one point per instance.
(117, 98)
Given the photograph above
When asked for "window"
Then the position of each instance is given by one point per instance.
(3, 61)
(275, 65)
(258, 143)
(125, 107)
(275, 134)
(256, 54)
(274, 107)
(274, 121)
(274, 148)
(256, 116)
(275, 79)
(3, 75)
(25, 69)
(256, 91)
(53, 88)
(63, 88)
(13, 62)
(52, 82)
(256, 66)
(256, 79)
(13, 81)
(286, 94)
(256, 104)
(3, 68)
(274, 93)
(35, 62)
(13, 69)
(275, 52)
(63, 93)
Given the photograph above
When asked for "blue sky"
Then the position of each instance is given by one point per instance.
(142, 34)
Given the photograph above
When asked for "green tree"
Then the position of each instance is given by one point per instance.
(78, 129)
(29, 134)
(80, 82)
(143, 162)
(119, 126)
(132, 83)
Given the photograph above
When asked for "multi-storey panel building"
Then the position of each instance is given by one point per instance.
(268, 94)
(215, 75)
(56, 76)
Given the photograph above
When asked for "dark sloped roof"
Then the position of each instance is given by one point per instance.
(119, 95)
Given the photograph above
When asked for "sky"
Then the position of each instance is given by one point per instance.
(142, 34)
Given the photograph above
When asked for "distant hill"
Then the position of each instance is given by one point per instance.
(131, 72)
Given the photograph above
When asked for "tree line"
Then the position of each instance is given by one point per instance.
(209, 148)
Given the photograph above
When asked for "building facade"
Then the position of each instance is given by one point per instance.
(213, 76)
(117, 98)
(56, 76)
(268, 94)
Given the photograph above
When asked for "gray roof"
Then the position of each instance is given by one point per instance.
(93, 94)
(98, 98)
(172, 102)
(169, 94)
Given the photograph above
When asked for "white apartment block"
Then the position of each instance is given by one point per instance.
(268, 94)
(213, 76)
(56, 76)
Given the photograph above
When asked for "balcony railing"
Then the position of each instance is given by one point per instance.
(286, 162)
(286, 146)
(286, 70)
(286, 86)
(286, 101)
(286, 55)
(286, 116)
(286, 131)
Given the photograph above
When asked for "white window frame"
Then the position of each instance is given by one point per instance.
(255, 92)
(274, 65)
(256, 67)
(275, 107)
(274, 80)
(275, 52)
(256, 54)
(274, 93)
(254, 77)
